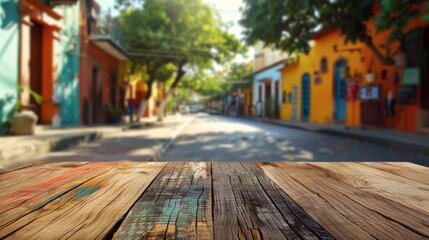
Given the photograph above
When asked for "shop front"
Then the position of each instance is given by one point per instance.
(39, 51)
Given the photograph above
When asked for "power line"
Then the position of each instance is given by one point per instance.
(157, 56)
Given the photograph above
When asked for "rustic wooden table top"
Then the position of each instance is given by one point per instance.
(123, 200)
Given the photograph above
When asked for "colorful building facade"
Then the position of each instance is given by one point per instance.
(9, 59)
(267, 82)
(329, 85)
(56, 50)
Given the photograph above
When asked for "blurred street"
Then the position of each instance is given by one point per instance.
(217, 138)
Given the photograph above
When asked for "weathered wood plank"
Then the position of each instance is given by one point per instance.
(32, 174)
(176, 206)
(91, 210)
(412, 193)
(20, 202)
(375, 215)
(402, 171)
(247, 205)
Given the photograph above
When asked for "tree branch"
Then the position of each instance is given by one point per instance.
(180, 73)
(383, 60)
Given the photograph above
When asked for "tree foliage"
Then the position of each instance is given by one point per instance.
(185, 33)
(289, 25)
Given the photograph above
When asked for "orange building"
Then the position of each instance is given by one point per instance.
(39, 51)
(101, 73)
(318, 86)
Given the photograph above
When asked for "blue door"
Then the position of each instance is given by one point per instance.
(340, 93)
(305, 98)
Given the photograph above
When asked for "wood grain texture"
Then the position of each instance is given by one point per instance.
(410, 192)
(338, 200)
(91, 210)
(176, 206)
(22, 201)
(247, 205)
(406, 172)
(32, 174)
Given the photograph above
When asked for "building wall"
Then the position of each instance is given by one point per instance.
(323, 98)
(322, 108)
(9, 60)
(265, 57)
(67, 88)
(291, 76)
(273, 74)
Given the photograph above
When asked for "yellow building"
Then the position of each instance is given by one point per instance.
(318, 87)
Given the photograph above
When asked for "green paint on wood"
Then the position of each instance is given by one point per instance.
(9, 61)
(84, 191)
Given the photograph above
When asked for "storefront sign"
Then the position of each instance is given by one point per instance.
(411, 76)
(407, 95)
(367, 93)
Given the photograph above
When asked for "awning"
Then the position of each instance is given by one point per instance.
(110, 46)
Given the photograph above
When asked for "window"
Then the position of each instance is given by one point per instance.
(284, 97)
(260, 93)
(324, 65)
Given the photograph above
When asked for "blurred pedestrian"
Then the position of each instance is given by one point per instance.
(131, 108)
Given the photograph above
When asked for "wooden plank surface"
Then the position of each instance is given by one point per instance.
(351, 204)
(26, 176)
(89, 211)
(176, 206)
(22, 201)
(247, 205)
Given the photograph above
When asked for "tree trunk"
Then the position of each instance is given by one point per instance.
(144, 102)
(179, 75)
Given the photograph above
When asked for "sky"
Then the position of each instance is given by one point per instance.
(229, 11)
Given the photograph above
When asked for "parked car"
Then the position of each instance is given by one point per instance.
(214, 111)
(184, 110)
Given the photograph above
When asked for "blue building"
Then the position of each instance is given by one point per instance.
(267, 87)
(9, 60)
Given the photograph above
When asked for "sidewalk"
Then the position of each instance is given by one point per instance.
(19, 150)
(406, 141)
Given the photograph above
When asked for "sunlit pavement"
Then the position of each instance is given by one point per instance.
(218, 138)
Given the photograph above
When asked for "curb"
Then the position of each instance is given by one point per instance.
(380, 141)
(54, 145)
(160, 149)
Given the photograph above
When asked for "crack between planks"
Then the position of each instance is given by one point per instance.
(118, 224)
(330, 176)
(315, 193)
(277, 189)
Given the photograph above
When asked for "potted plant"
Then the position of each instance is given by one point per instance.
(114, 114)
(24, 121)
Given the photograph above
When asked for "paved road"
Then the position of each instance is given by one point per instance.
(215, 138)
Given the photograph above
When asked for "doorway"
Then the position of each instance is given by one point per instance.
(276, 100)
(339, 87)
(36, 51)
(96, 95)
(268, 109)
(305, 98)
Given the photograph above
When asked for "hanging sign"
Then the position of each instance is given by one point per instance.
(411, 76)
(372, 92)
(352, 92)
(407, 95)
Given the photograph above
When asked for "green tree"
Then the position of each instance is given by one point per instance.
(289, 25)
(185, 33)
